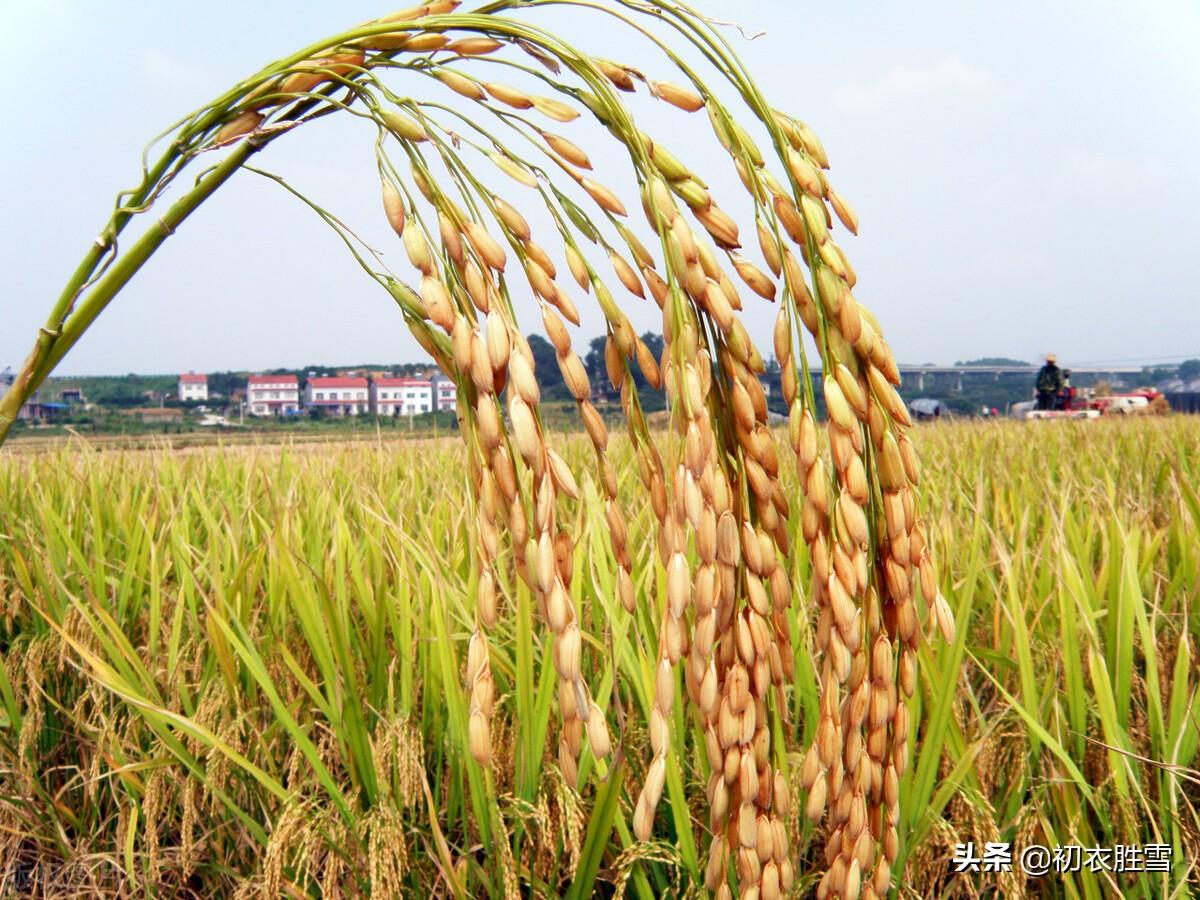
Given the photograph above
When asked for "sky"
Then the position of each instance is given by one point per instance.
(1026, 175)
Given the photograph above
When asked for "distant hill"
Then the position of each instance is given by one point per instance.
(994, 361)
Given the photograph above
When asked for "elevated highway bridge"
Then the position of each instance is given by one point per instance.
(915, 375)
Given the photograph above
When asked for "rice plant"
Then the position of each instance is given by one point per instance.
(240, 669)
(274, 684)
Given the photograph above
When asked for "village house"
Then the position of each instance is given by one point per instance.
(445, 394)
(38, 409)
(272, 395)
(192, 387)
(34, 409)
(339, 396)
(401, 396)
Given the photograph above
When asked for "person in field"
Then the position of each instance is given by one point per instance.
(1049, 383)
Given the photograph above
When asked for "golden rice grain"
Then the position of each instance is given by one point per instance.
(402, 126)
(605, 198)
(474, 46)
(678, 96)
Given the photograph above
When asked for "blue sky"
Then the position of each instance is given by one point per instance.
(1027, 176)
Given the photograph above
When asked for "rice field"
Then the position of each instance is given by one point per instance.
(240, 672)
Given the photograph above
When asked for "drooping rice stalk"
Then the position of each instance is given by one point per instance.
(720, 508)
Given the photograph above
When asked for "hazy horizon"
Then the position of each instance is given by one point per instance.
(427, 363)
(1026, 178)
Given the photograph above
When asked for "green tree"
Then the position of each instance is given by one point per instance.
(597, 371)
(1189, 369)
(546, 365)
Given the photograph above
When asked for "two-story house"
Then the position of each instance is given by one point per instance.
(272, 395)
(337, 396)
(445, 394)
(192, 387)
(401, 396)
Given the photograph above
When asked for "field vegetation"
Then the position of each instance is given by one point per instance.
(239, 671)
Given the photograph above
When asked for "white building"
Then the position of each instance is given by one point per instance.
(192, 387)
(401, 396)
(338, 396)
(445, 394)
(272, 395)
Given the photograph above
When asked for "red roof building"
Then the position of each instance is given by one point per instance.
(192, 387)
(268, 380)
(336, 381)
(272, 395)
(339, 396)
(401, 396)
(445, 393)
